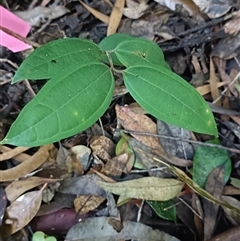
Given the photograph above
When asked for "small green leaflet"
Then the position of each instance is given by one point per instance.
(59, 55)
(69, 103)
(164, 209)
(206, 159)
(168, 97)
(139, 51)
(110, 43)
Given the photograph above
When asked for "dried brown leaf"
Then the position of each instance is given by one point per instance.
(116, 166)
(141, 123)
(12, 152)
(213, 82)
(233, 217)
(103, 147)
(19, 157)
(135, 12)
(233, 25)
(16, 188)
(22, 211)
(205, 89)
(115, 17)
(84, 204)
(102, 17)
(27, 166)
(214, 185)
(147, 188)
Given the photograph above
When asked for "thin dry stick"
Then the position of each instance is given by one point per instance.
(232, 82)
(100, 121)
(140, 211)
(32, 5)
(180, 139)
(29, 87)
(19, 37)
(152, 170)
(190, 207)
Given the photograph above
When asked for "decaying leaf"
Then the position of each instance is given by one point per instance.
(181, 149)
(84, 185)
(83, 155)
(12, 152)
(233, 217)
(196, 188)
(116, 166)
(21, 157)
(135, 12)
(139, 122)
(84, 204)
(22, 211)
(115, 17)
(102, 17)
(27, 166)
(100, 228)
(233, 25)
(147, 188)
(39, 14)
(214, 185)
(16, 188)
(3, 203)
(103, 147)
(213, 8)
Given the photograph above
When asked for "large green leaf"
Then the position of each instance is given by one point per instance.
(110, 43)
(69, 103)
(168, 97)
(206, 159)
(137, 51)
(59, 55)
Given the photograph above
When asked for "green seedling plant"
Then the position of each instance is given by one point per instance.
(80, 87)
(40, 236)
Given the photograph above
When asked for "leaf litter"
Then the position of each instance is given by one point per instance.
(122, 169)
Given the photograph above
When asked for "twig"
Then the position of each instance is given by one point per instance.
(190, 208)
(32, 4)
(152, 170)
(19, 37)
(26, 82)
(180, 139)
(206, 25)
(226, 89)
(140, 211)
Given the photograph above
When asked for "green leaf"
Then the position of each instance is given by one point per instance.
(69, 103)
(38, 236)
(165, 210)
(235, 182)
(139, 51)
(168, 97)
(147, 188)
(206, 159)
(110, 43)
(59, 55)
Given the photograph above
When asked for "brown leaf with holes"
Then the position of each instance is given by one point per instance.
(103, 147)
(141, 123)
(84, 204)
(117, 165)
